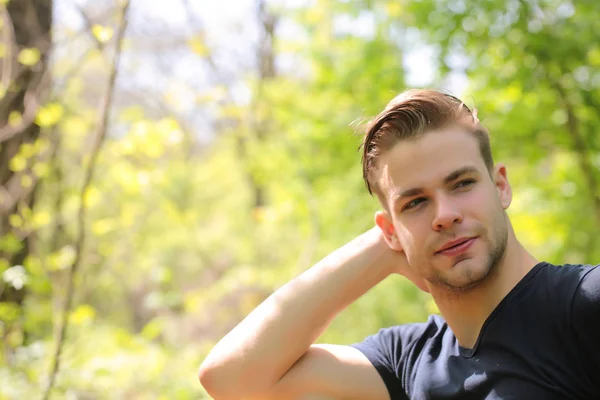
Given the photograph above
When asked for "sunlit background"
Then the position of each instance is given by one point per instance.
(165, 165)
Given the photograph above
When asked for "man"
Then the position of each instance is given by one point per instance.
(512, 327)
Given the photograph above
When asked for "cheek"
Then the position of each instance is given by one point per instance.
(481, 203)
(412, 238)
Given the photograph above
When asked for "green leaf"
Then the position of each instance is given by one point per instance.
(10, 243)
(49, 115)
(9, 312)
(102, 33)
(18, 163)
(26, 181)
(83, 315)
(198, 46)
(15, 220)
(153, 329)
(29, 56)
(15, 118)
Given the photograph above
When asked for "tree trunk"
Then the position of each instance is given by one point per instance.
(26, 25)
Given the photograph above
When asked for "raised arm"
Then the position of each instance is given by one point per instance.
(270, 354)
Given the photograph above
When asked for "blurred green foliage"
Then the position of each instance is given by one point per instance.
(179, 250)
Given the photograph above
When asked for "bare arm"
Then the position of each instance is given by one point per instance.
(269, 354)
(330, 372)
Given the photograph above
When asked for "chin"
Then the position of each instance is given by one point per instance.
(465, 275)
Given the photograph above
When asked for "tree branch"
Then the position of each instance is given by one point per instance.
(579, 143)
(31, 107)
(89, 174)
(8, 39)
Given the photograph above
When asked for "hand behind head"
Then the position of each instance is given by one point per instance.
(396, 257)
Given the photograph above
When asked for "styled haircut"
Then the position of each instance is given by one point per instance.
(410, 115)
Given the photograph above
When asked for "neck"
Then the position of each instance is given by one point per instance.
(466, 312)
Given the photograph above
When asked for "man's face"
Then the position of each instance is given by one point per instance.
(440, 194)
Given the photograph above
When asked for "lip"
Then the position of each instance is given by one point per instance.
(456, 247)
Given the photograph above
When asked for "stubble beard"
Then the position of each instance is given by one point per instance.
(494, 258)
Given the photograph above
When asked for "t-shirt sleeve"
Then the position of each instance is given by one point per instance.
(384, 350)
(586, 321)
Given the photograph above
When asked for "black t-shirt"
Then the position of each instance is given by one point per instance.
(541, 342)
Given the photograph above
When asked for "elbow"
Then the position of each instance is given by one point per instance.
(213, 382)
(223, 385)
(204, 378)
(219, 384)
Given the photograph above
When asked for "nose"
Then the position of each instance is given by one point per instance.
(446, 214)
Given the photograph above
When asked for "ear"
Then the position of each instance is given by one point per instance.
(502, 185)
(384, 222)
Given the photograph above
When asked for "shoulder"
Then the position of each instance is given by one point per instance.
(560, 282)
(550, 293)
(405, 335)
(395, 343)
(586, 300)
(585, 320)
(590, 281)
(393, 350)
(560, 274)
(574, 289)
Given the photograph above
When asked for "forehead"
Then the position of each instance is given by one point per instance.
(426, 160)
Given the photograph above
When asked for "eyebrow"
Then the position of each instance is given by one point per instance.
(454, 175)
